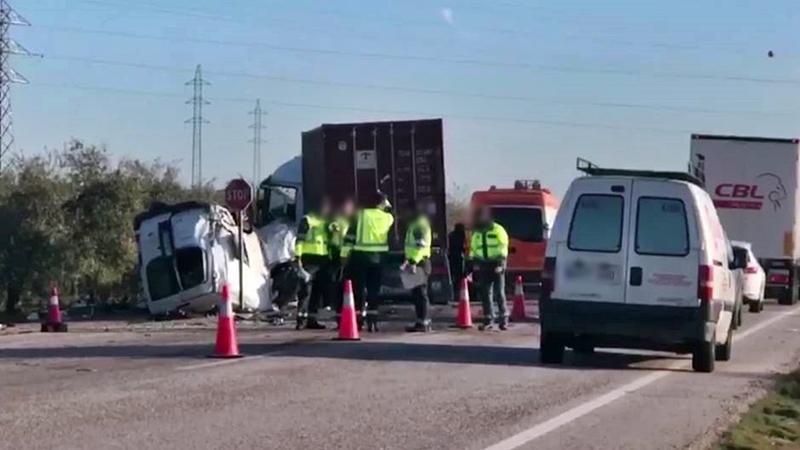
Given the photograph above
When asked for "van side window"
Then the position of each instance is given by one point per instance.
(661, 227)
(596, 224)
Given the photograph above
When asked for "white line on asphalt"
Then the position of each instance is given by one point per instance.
(537, 431)
(223, 362)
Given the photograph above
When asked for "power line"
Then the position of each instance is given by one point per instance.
(8, 76)
(257, 114)
(437, 59)
(476, 95)
(409, 113)
(197, 101)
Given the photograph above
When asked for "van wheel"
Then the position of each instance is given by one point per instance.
(723, 352)
(703, 357)
(551, 348)
(756, 306)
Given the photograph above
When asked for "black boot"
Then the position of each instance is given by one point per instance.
(313, 324)
(301, 323)
(372, 324)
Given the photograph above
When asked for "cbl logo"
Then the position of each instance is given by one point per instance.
(751, 196)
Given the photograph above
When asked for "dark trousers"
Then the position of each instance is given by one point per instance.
(312, 294)
(456, 274)
(492, 291)
(419, 295)
(366, 270)
(337, 274)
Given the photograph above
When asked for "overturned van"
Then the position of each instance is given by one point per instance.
(188, 250)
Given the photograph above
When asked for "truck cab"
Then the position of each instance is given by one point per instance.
(527, 212)
(280, 196)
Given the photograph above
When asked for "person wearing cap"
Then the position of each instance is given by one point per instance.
(488, 255)
(366, 245)
(313, 253)
(417, 250)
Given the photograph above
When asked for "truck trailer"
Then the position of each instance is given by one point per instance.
(403, 160)
(753, 182)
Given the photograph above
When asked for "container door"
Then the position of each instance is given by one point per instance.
(590, 263)
(664, 256)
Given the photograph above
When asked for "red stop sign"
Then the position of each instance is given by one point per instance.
(238, 194)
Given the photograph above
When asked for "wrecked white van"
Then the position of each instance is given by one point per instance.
(188, 250)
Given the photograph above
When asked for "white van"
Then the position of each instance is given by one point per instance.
(638, 259)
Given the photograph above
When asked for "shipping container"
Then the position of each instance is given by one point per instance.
(402, 159)
(753, 182)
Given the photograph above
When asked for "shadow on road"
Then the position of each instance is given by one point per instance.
(323, 348)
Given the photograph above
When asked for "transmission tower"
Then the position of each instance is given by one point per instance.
(197, 122)
(8, 76)
(257, 113)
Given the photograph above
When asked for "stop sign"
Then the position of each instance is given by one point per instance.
(238, 194)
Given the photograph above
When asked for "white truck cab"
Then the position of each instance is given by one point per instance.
(638, 259)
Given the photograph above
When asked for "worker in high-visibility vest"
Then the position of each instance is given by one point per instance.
(488, 255)
(338, 226)
(366, 245)
(417, 250)
(313, 253)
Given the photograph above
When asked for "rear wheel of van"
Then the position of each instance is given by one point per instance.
(551, 348)
(723, 351)
(756, 306)
(703, 357)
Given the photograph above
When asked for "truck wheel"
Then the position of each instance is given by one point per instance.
(703, 357)
(756, 306)
(551, 348)
(722, 352)
(785, 298)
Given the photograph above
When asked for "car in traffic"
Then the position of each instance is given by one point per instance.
(755, 279)
(638, 259)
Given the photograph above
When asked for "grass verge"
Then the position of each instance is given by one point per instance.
(773, 423)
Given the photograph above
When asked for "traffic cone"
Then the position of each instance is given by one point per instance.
(518, 307)
(348, 327)
(464, 317)
(54, 322)
(227, 345)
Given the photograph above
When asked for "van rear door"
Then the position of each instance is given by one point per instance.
(591, 261)
(664, 245)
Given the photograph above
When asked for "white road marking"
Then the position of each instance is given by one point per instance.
(537, 431)
(223, 362)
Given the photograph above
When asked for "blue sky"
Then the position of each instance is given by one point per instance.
(621, 83)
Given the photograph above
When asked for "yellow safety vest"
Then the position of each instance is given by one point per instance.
(371, 232)
(418, 240)
(489, 244)
(315, 240)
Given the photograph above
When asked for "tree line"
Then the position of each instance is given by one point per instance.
(66, 219)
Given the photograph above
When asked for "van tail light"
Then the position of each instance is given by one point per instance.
(751, 269)
(779, 278)
(705, 283)
(548, 277)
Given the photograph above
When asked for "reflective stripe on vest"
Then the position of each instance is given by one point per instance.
(316, 239)
(417, 250)
(372, 230)
(488, 244)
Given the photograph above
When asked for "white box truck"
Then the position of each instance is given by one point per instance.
(753, 182)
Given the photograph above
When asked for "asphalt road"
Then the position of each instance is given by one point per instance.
(149, 386)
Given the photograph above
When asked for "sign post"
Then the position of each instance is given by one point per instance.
(238, 196)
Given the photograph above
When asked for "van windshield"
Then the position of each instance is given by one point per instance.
(522, 224)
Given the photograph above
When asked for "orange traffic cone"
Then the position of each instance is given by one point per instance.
(348, 327)
(518, 307)
(227, 345)
(54, 322)
(464, 317)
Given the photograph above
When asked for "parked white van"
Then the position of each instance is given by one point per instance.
(638, 259)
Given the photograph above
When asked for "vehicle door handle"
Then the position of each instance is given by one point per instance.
(635, 276)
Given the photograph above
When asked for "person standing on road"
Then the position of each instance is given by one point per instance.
(338, 230)
(488, 254)
(417, 251)
(367, 243)
(456, 251)
(313, 254)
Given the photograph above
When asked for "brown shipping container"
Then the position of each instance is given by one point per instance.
(404, 159)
